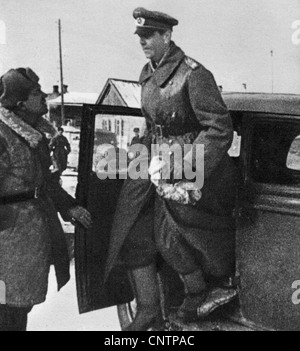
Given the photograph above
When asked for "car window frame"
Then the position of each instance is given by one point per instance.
(86, 147)
(250, 120)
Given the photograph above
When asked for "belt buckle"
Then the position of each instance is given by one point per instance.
(37, 192)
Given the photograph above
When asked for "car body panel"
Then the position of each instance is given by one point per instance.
(267, 238)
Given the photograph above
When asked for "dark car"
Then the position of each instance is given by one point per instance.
(266, 150)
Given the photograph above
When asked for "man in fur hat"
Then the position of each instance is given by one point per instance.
(31, 236)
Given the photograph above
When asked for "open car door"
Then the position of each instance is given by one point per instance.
(102, 127)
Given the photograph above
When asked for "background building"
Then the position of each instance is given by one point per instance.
(116, 92)
(125, 93)
(110, 129)
(73, 103)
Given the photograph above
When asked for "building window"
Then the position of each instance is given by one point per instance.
(109, 125)
(104, 124)
(122, 128)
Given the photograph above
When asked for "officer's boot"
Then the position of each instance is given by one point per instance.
(149, 314)
(195, 294)
(221, 292)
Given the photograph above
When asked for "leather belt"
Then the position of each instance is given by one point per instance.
(162, 131)
(30, 195)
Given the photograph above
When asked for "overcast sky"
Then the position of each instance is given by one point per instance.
(232, 38)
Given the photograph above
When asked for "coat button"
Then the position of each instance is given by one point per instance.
(170, 141)
(171, 82)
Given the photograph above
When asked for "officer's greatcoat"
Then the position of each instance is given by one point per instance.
(182, 96)
(31, 236)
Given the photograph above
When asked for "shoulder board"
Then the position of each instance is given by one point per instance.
(191, 63)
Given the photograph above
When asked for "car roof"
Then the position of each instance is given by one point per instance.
(288, 104)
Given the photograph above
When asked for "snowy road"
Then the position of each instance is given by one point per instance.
(60, 312)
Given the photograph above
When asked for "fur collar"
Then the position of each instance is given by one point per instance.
(32, 135)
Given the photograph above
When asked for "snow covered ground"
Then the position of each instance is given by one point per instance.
(60, 312)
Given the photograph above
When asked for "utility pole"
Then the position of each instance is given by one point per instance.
(272, 71)
(61, 76)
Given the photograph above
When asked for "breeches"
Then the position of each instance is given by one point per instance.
(186, 246)
(178, 239)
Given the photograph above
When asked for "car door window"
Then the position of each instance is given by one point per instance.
(112, 137)
(235, 148)
(275, 156)
(293, 159)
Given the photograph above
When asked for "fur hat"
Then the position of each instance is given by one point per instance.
(16, 85)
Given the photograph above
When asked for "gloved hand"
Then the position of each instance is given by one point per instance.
(81, 215)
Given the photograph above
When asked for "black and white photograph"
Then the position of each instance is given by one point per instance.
(150, 167)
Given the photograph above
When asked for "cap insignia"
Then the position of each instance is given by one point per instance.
(140, 21)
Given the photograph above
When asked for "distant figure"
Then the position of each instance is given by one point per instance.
(61, 149)
(136, 139)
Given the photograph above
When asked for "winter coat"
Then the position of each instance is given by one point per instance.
(31, 236)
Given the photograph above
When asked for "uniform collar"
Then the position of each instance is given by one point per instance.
(32, 135)
(154, 66)
(166, 67)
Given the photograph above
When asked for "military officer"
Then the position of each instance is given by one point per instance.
(182, 105)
